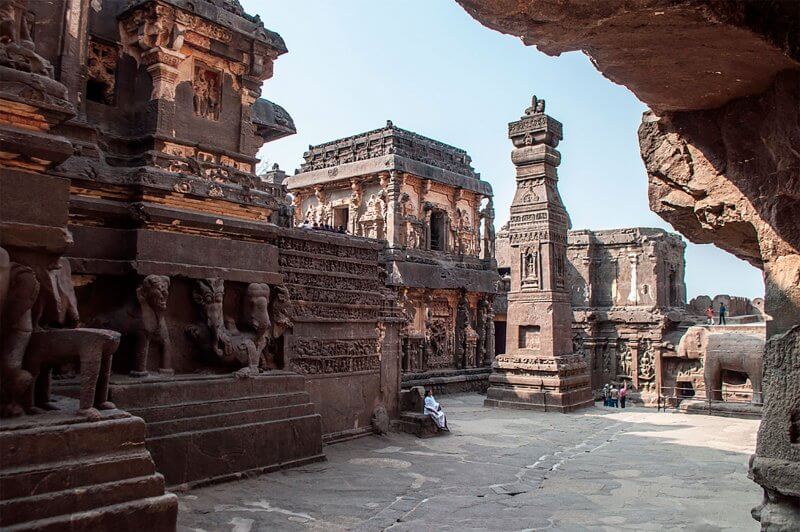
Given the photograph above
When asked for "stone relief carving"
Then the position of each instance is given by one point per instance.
(207, 86)
(241, 343)
(462, 322)
(647, 363)
(17, 49)
(315, 356)
(487, 214)
(102, 72)
(40, 315)
(437, 342)
(625, 359)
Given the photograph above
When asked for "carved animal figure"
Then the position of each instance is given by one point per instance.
(19, 290)
(50, 345)
(92, 347)
(244, 343)
(145, 323)
(725, 351)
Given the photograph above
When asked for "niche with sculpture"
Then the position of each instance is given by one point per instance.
(207, 87)
(249, 341)
(40, 332)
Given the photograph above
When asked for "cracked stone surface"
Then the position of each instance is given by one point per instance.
(600, 469)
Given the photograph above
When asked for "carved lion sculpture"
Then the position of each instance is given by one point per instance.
(144, 322)
(151, 325)
(725, 351)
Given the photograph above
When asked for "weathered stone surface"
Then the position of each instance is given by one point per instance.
(62, 472)
(508, 470)
(673, 55)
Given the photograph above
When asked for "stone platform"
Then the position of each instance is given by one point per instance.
(418, 424)
(203, 429)
(60, 472)
(449, 381)
(724, 409)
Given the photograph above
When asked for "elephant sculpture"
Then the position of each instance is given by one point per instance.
(39, 318)
(244, 342)
(725, 351)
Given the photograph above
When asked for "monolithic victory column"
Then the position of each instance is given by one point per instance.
(539, 370)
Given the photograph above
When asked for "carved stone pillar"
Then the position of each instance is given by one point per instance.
(490, 344)
(633, 295)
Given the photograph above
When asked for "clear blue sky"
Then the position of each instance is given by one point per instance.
(429, 67)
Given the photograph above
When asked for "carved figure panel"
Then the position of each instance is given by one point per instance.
(242, 342)
(207, 86)
(313, 356)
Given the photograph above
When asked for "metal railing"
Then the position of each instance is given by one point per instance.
(739, 397)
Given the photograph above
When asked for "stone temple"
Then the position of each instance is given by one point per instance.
(172, 319)
(423, 198)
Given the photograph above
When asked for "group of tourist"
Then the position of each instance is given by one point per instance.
(615, 397)
(322, 227)
(723, 311)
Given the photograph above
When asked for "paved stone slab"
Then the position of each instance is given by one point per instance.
(600, 469)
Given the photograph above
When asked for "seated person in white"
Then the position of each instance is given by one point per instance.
(433, 409)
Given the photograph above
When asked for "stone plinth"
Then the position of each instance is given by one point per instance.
(212, 428)
(62, 472)
(543, 383)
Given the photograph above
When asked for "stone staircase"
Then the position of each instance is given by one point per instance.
(62, 472)
(210, 428)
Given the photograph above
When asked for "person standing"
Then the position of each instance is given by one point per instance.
(710, 315)
(614, 396)
(722, 312)
(605, 395)
(623, 392)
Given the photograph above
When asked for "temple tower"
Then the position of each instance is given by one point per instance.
(539, 370)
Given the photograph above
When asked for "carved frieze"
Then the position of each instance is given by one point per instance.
(301, 262)
(326, 248)
(311, 356)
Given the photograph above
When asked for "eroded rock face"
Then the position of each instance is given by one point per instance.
(731, 176)
(673, 54)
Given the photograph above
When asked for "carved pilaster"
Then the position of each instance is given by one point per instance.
(153, 34)
(394, 211)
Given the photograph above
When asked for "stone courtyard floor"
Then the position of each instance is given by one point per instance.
(600, 469)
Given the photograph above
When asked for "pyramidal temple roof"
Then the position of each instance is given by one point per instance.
(389, 140)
